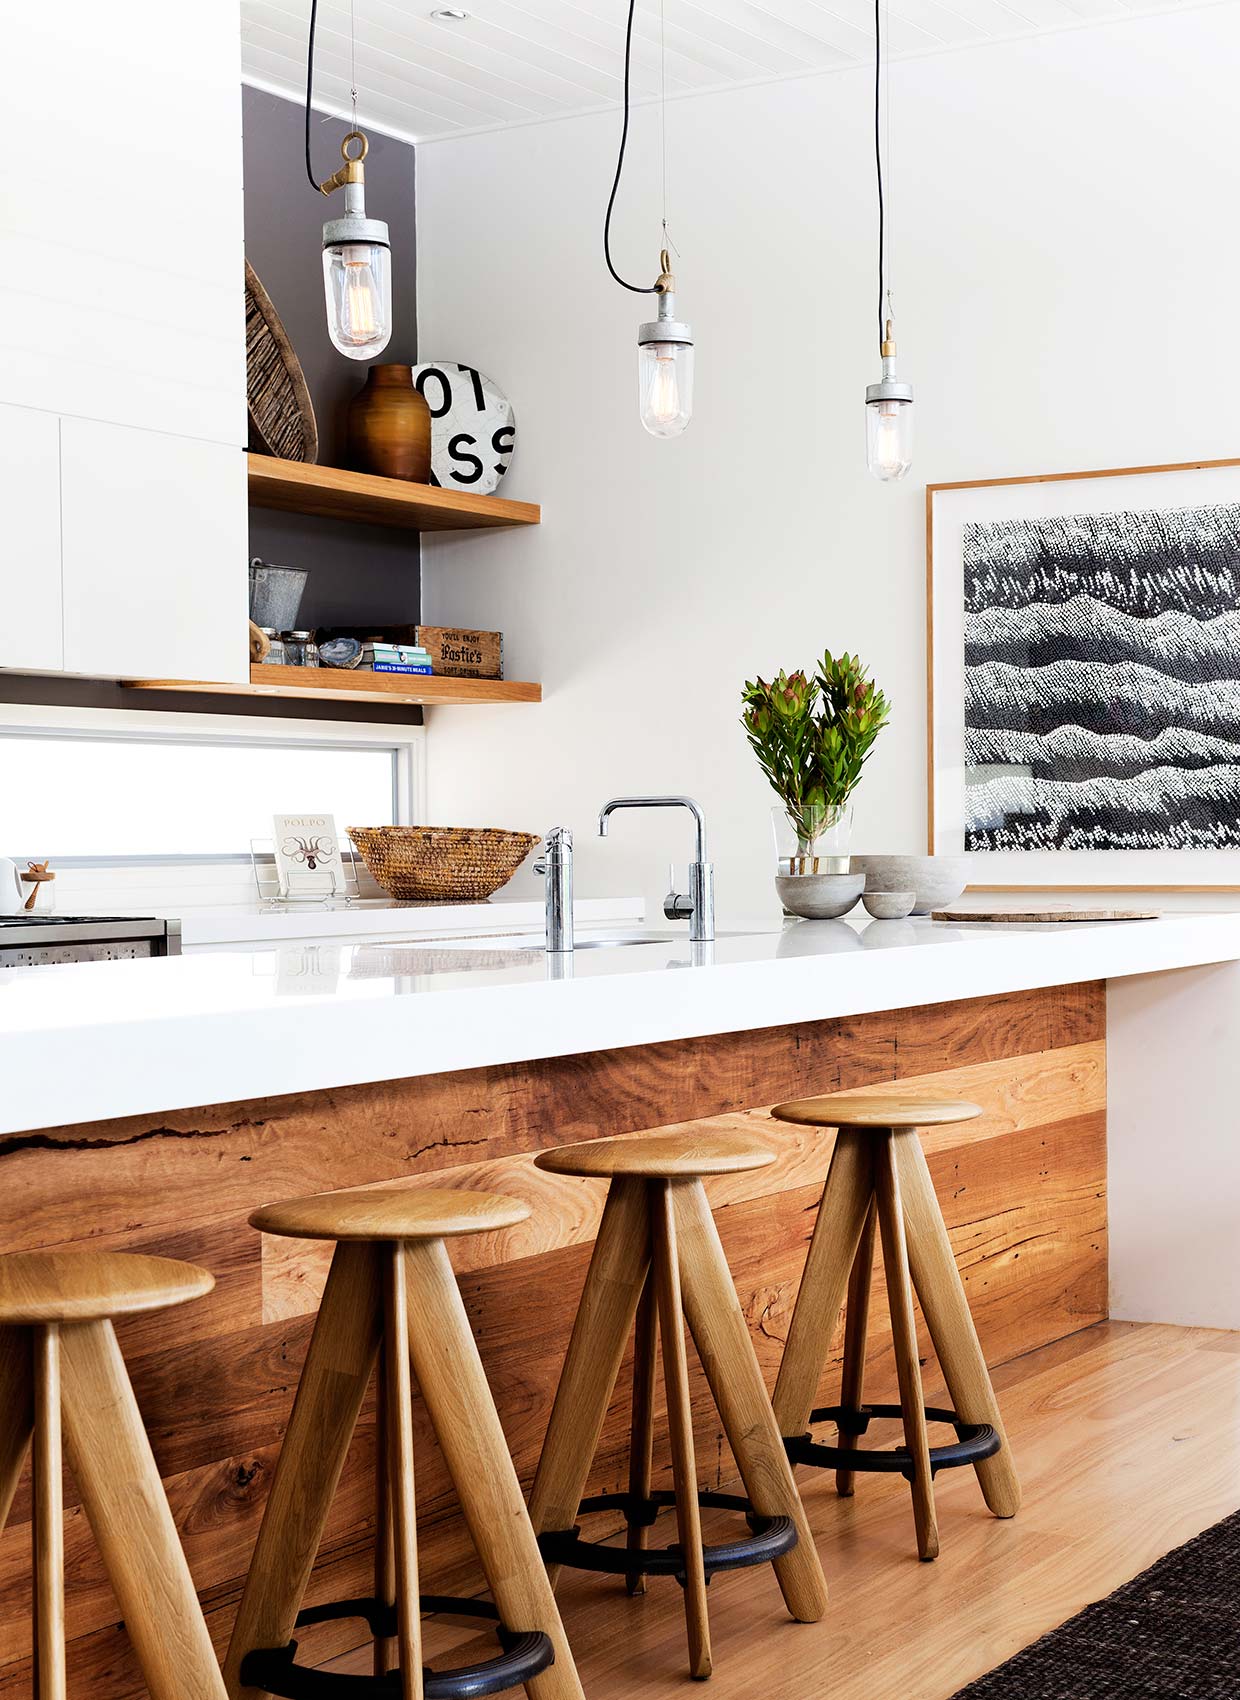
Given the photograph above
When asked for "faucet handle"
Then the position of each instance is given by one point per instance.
(677, 905)
(558, 840)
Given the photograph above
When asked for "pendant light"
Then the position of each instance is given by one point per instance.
(357, 257)
(664, 343)
(889, 403)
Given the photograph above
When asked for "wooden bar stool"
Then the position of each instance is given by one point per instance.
(60, 1363)
(657, 1245)
(390, 1267)
(879, 1174)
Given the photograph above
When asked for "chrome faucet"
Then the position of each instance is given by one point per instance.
(555, 863)
(697, 905)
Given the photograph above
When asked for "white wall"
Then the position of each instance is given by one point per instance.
(1065, 271)
(1173, 1153)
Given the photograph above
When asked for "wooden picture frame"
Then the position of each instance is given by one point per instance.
(949, 506)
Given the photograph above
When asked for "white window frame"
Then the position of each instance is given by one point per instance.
(147, 726)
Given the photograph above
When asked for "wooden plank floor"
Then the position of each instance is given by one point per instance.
(1128, 1442)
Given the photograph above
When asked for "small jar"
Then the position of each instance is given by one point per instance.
(301, 649)
(277, 655)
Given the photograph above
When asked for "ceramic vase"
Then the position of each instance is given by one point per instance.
(389, 427)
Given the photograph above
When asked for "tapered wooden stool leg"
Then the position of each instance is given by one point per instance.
(385, 1654)
(614, 1282)
(904, 1339)
(722, 1337)
(946, 1310)
(832, 1251)
(856, 1325)
(680, 1425)
(48, 1524)
(641, 1438)
(455, 1391)
(338, 1369)
(400, 1470)
(129, 1516)
(16, 1411)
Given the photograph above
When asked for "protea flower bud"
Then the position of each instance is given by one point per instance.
(790, 694)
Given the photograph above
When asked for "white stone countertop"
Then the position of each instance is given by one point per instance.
(86, 1042)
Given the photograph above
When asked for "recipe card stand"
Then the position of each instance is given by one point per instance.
(273, 889)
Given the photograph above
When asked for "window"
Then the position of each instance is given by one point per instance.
(84, 795)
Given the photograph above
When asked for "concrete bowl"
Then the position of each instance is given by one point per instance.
(819, 897)
(937, 880)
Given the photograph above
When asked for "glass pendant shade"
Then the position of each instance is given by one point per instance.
(357, 283)
(665, 386)
(889, 438)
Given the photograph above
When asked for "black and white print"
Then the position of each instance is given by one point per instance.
(1102, 681)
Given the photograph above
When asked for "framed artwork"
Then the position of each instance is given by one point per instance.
(1084, 676)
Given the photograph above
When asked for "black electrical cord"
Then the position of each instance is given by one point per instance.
(637, 288)
(314, 18)
(878, 158)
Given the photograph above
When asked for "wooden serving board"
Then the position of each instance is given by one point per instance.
(1016, 915)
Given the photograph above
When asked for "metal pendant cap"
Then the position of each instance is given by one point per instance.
(667, 327)
(890, 389)
(355, 228)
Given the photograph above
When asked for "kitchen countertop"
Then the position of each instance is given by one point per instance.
(86, 1042)
(380, 917)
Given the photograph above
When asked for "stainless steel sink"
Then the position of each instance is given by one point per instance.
(536, 941)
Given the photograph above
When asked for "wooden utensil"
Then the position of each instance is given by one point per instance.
(36, 874)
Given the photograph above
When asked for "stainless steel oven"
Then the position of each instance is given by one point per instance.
(32, 941)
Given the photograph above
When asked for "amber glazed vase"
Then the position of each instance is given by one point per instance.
(389, 427)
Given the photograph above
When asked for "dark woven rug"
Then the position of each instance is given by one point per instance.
(1172, 1633)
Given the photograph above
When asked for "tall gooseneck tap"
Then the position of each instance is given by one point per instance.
(697, 905)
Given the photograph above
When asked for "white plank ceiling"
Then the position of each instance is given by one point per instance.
(519, 61)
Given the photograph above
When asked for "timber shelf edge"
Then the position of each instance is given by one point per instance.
(332, 492)
(341, 685)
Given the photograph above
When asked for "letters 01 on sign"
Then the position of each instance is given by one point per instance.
(473, 428)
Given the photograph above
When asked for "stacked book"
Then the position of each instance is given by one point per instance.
(395, 658)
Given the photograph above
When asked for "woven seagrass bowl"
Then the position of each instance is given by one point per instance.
(427, 864)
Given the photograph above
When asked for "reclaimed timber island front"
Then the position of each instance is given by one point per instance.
(433, 1067)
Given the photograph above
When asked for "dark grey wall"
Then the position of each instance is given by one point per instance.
(357, 573)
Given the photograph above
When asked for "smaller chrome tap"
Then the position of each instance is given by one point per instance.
(555, 863)
(697, 905)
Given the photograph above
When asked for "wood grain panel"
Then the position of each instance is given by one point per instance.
(1014, 1092)
(1023, 1191)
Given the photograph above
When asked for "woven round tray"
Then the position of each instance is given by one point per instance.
(429, 863)
(281, 412)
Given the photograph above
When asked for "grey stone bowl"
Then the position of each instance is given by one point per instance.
(819, 897)
(889, 905)
(937, 880)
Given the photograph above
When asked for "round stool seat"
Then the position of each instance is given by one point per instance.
(389, 1213)
(854, 1109)
(659, 1156)
(86, 1286)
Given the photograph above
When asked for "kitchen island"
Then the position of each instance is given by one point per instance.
(153, 1105)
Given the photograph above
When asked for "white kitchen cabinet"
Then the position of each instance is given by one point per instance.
(121, 246)
(31, 635)
(154, 554)
(122, 382)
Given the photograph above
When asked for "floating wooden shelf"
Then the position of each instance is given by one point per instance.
(333, 493)
(343, 685)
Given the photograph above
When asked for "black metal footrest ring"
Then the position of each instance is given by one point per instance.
(974, 1441)
(523, 1654)
(769, 1538)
